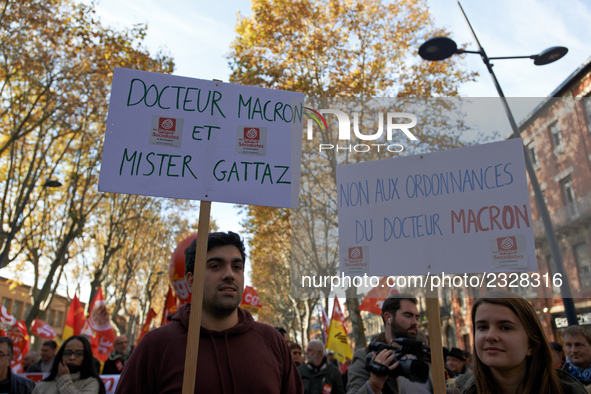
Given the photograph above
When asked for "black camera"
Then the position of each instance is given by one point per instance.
(414, 369)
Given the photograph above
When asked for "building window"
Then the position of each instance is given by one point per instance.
(59, 317)
(568, 191)
(587, 104)
(533, 155)
(17, 310)
(50, 317)
(556, 137)
(584, 264)
(7, 303)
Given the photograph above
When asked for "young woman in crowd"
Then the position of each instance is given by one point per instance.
(511, 353)
(72, 371)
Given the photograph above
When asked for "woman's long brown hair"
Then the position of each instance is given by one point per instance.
(540, 377)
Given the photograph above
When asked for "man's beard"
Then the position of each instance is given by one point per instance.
(398, 332)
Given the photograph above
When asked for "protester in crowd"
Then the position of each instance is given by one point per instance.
(512, 355)
(319, 376)
(72, 371)
(296, 353)
(331, 360)
(236, 354)
(118, 357)
(283, 333)
(400, 316)
(455, 362)
(30, 358)
(558, 357)
(577, 343)
(48, 350)
(9, 382)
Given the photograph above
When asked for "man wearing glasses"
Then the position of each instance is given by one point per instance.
(10, 382)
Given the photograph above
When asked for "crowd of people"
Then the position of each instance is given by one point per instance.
(239, 355)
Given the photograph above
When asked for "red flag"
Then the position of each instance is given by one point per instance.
(375, 298)
(146, 326)
(20, 343)
(10, 327)
(250, 300)
(42, 330)
(75, 321)
(325, 324)
(103, 342)
(169, 306)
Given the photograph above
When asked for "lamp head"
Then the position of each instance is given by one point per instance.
(550, 55)
(438, 48)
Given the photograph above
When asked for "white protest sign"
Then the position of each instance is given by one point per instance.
(179, 137)
(458, 211)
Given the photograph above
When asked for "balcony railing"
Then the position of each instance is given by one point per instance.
(580, 208)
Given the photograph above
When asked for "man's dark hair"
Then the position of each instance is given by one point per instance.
(214, 240)
(281, 330)
(51, 344)
(7, 341)
(392, 303)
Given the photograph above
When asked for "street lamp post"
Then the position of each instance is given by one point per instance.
(440, 48)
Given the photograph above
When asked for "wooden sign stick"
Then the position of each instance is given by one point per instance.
(435, 342)
(196, 299)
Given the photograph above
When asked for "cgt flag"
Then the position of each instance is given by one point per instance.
(99, 322)
(169, 306)
(250, 300)
(42, 330)
(17, 331)
(375, 298)
(146, 326)
(337, 334)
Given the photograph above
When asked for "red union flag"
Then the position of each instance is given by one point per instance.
(325, 324)
(103, 342)
(15, 330)
(146, 326)
(250, 300)
(75, 321)
(43, 330)
(169, 306)
(375, 298)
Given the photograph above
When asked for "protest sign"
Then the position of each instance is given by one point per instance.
(458, 211)
(179, 137)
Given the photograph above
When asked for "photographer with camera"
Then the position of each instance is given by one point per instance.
(385, 367)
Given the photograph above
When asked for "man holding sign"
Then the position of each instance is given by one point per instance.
(236, 354)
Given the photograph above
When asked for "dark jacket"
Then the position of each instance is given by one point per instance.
(324, 380)
(248, 358)
(358, 376)
(20, 385)
(570, 385)
(115, 363)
